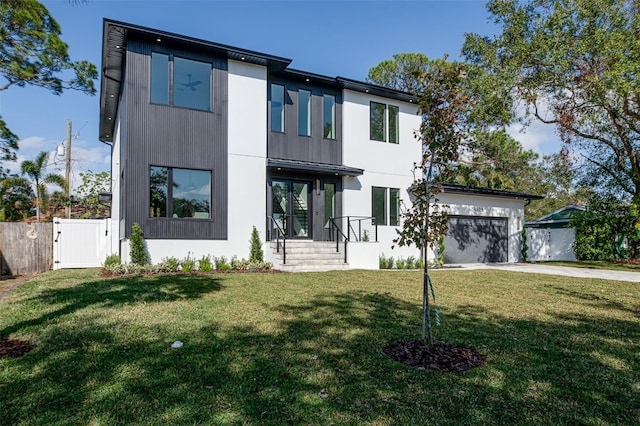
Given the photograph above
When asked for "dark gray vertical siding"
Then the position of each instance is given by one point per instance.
(162, 135)
(290, 145)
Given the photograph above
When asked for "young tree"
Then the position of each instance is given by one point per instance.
(92, 185)
(446, 104)
(34, 170)
(139, 255)
(575, 65)
(32, 53)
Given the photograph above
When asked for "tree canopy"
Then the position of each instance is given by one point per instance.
(32, 53)
(574, 64)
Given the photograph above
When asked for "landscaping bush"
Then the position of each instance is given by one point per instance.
(205, 264)
(139, 254)
(188, 264)
(169, 264)
(222, 264)
(256, 254)
(112, 260)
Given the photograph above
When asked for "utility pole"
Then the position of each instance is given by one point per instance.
(68, 169)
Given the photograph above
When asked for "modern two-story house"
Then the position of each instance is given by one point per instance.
(210, 140)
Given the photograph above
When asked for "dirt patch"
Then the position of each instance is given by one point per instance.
(8, 283)
(441, 356)
(11, 348)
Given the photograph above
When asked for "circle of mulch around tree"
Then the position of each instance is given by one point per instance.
(442, 356)
(11, 348)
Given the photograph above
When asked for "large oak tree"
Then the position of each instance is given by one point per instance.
(574, 64)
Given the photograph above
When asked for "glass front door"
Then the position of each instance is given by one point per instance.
(291, 207)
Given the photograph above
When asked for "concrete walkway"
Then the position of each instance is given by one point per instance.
(567, 271)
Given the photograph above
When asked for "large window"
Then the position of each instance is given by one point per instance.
(179, 193)
(383, 122)
(385, 205)
(277, 108)
(329, 117)
(191, 82)
(304, 113)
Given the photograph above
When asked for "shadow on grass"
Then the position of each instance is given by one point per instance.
(322, 363)
(116, 292)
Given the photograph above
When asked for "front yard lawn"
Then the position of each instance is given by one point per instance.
(307, 349)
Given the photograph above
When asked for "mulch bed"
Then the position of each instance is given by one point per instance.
(11, 348)
(441, 356)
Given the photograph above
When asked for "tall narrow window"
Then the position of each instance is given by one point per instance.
(377, 121)
(191, 84)
(158, 185)
(394, 206)
(379, 205)
(304, 113)
(159, 78)
(329, 203)
(277, 108)
(394, 135)
(329, 115)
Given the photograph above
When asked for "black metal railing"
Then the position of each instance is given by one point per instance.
(356, 228)
(274, 226)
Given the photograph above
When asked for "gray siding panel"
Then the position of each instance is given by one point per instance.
(162, 135)
(290, 145)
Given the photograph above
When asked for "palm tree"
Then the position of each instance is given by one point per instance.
(34, 170)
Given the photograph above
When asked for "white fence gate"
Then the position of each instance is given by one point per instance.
(80, 243)
(550, 244)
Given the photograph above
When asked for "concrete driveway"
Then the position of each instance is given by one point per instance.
(567, 271)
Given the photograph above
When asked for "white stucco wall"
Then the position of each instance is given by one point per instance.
(489, 206)
(385, 164)
(246, 203)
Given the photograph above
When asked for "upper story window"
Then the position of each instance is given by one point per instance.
(191, 80)
(304, 113)
(277, 108)
(329, 117)
(383, 124)
(179, 193)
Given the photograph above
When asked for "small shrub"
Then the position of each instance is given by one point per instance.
(111, 260)
(256, 254)
(188, 264)
(420, 264)
(365, 237)
(169, 264)
(411, 262)
(236, 264)
(222, 264)
(400, 263)
(385, 262)
(139, 254)
(205, 264)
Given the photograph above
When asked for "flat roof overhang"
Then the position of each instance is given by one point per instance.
(314, 168)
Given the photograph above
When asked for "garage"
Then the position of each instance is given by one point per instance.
(472, 239)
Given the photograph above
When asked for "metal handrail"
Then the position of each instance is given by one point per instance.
(279, 233)
(338, 233)
(358, 235)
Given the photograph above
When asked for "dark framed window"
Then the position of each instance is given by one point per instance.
(385, 210)
(159, 78)
(379, 205)
(277, 108)
(394, 131)
(179, 193)
(329, 117)
(384, 122)
(377, 122)
(191, 80)
(394, 206)
(304, 113)
(329, 203)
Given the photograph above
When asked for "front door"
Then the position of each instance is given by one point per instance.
(291, 207)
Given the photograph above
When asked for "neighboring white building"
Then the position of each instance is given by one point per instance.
(210, 140)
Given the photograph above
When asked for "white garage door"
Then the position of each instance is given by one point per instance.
(476, 240)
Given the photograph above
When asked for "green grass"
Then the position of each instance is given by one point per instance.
(596, 264)
(306, 349)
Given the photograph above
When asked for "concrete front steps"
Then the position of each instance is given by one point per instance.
(308, 256)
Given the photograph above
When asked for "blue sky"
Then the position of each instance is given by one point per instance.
(334, 38)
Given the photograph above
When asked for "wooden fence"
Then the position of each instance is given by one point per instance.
(25, 248)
